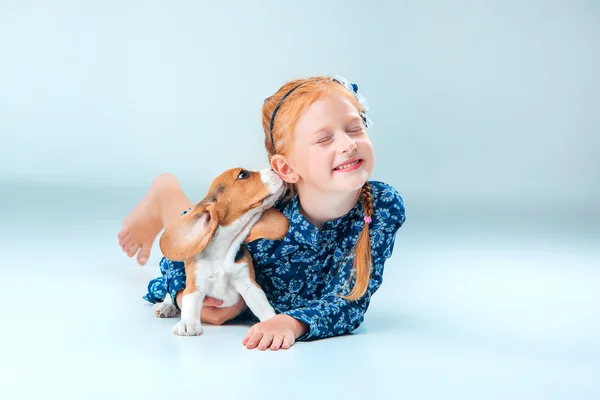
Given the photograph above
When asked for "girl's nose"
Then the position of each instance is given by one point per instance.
(348, 146)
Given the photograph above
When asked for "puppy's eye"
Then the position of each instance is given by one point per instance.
(243, 174)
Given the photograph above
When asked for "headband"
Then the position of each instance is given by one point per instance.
(352, 87)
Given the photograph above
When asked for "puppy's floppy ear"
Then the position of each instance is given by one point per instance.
(190, 235)
(272, 225)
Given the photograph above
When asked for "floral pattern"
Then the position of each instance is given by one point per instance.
(304, 273)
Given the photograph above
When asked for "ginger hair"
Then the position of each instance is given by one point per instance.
(287, 116)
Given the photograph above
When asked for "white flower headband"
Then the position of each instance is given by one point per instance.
(353, 87)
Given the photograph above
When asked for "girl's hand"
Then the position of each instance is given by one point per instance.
(211, 313)
(280, 331)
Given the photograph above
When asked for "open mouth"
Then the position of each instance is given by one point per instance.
(350, 166)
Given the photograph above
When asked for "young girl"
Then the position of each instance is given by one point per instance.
(319, 278)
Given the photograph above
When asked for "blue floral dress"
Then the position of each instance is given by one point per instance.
(304, 273)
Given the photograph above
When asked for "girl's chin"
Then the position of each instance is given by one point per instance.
(351, 181)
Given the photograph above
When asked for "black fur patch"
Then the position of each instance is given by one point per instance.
(239, 254)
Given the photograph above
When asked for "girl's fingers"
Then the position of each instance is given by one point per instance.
(277, 341)
(288, 342)
(254, 339)
(266, 341)
(248, 335)
(211, 302)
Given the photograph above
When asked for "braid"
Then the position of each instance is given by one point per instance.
(362, 258)
(365, 195)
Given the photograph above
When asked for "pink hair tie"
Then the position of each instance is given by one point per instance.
(367, 219)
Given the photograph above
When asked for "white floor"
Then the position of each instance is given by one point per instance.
(472, 307)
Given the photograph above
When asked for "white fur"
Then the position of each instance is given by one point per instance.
(217, 274)
(190, 325)
(166, 309)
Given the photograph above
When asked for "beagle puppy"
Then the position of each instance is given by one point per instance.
(209, 240)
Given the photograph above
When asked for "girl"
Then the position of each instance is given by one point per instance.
(319, 278)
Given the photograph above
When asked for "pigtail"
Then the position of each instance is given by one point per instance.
(280, 113)
(362, 257)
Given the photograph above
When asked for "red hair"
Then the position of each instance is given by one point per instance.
(288, 114)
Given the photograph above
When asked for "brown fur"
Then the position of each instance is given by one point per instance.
(226, 186)
(182, 241)
(272, 225)
(227, 199)
(190, 278)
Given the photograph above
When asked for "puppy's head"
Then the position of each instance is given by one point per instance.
(235, 196)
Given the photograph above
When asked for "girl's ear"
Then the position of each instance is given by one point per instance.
(272, 225)
(190, 235)
(282, 168)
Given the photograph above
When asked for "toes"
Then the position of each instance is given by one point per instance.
(124, 232)
(144, 254)
(127, 245)
(132, 249)
(125, 240)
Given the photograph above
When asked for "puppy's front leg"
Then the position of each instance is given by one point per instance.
(191, 304)
(253, 295)
(190, 324)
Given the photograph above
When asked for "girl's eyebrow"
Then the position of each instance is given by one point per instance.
(321, 130)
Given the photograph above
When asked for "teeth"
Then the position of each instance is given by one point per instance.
(346, 166)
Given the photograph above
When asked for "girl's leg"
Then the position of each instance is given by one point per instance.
(159, 208)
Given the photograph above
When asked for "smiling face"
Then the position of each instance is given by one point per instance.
(331, 150)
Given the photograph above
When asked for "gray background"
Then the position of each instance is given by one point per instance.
(486, 120)
(473, 102)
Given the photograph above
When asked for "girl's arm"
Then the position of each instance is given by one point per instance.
(332, 315)
(329, 316)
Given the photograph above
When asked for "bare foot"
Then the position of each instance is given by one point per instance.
(144, 222)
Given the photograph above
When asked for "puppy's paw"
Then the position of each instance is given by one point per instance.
(188, 328)
(164, 310)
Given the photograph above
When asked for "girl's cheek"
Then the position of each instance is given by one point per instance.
(365, 146)
(364, 140)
